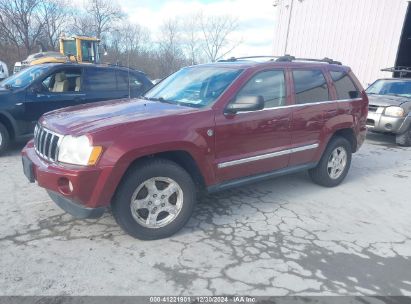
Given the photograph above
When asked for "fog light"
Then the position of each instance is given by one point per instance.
(388, 126)
(65, 185)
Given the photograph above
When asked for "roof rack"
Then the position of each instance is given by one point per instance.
(285, 58)
(289, 58)
(403, 70)
(233, 59)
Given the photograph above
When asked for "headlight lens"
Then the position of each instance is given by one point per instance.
(78, 151)
(394, 111)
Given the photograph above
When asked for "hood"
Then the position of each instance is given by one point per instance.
(387, 100)
(90, 118)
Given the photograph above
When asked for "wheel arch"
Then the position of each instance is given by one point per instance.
(180, 157)
(348, 134)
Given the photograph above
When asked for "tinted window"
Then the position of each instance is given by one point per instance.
(344, 86)
(270, 85)
(101, 80)
(64, 80)
(310, 86)
(123, 78)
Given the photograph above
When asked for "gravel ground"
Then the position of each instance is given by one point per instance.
(285, 236)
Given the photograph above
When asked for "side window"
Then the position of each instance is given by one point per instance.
(101, 80)
(310, 86)
(65, 80)
(124, 78)
(344, 86)
(270, 85)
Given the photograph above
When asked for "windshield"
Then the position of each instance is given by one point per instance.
(24, 77)
(194, 86)
(391, 87)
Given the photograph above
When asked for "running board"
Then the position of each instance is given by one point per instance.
(258, 178)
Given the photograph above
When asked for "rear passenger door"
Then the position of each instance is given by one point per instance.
(312, 101)
(101, 84)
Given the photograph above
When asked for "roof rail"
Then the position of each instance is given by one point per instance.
(402, 70)
(285, 58)
(289, 58)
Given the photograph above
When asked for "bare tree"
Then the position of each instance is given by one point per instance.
(56, 15)
(103, 14)
(217, 33)
(170, 55)
(82, 25)
(20, 23)
(192, 38)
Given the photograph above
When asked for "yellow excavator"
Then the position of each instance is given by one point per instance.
(79, 49)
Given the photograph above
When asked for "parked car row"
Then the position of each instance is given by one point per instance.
(390, 108)
(27, 95)
(205, 128)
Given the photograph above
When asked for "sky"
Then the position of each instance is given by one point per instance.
(257, 18)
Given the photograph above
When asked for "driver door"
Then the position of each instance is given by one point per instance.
(59, 89)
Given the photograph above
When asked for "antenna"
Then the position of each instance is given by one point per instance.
(128, 74)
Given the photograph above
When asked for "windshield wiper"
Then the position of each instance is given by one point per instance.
(160, 99)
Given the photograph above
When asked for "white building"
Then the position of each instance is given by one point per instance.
(366, 35)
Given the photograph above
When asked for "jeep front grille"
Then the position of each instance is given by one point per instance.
(46, 143)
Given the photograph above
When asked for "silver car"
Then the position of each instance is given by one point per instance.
(390, 108)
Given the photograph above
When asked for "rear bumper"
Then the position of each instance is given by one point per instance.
(381, 123)
(81, 191)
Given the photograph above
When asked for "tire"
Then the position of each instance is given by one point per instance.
(404, 139)
(148, 184)
(322, 174)
(4, 138)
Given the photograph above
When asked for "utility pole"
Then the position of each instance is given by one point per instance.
(288, 26)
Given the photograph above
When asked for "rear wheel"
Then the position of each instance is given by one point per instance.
(334, 164)
(404, 139)
(155, 200)
(4, 138)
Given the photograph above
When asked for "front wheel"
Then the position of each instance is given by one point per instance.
(404, 139)
(155, 200)
(334, 164)
(4, 138)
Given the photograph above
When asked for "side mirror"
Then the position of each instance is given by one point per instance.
(35, 89)
(245, 104)
(353, 94)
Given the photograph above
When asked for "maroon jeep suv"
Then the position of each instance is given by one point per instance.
(206, 128)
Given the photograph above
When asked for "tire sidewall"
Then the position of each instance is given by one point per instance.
(5, 138)
(404, 139)
(334, 144)
(121, 205)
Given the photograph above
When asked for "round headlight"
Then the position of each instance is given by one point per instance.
(78, 151)
(394, 111)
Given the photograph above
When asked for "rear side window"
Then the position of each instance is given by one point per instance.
(100, 80)
(310, 86)
(124, 78)
(270, 85)
(344, 86)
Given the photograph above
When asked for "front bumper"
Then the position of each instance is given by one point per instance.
(80, 191)
(376, 121)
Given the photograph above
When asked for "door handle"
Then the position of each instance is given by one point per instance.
(19, 104)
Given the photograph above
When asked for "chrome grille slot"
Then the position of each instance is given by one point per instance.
(46, 143)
